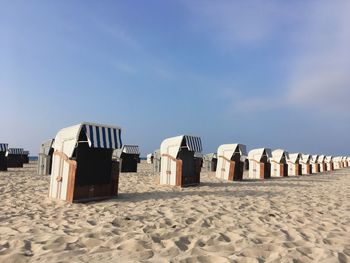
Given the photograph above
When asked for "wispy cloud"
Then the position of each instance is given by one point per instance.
(236, 23)
(238, 102)
(162, 72)
(257, 104)
(319, 74)
(317, 33)
(142, 60)
(124, 67)
(118, 33)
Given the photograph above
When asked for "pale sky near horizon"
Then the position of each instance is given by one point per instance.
(270, 74)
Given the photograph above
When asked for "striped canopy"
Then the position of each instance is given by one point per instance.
(193, 143)
(131, 149)
(17, 151)
(97, 135)
(171, 146)
(103, 137)
(3, 147)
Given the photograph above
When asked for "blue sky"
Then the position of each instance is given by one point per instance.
(264, 73)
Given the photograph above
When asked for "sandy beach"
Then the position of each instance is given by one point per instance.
(304, 219)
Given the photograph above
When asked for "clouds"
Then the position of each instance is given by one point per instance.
(315, 35)
(118, 34)
(204, 64)
(235, 24)
(319, 73)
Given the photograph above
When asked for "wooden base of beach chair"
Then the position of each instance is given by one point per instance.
(88, 193)
(298, 169)
(83, 191)
(3, 162)
(317, 168)
(236, 171)
(283, 170)
(265, 170)
(187, 179)
(308, 169)
(14, 162)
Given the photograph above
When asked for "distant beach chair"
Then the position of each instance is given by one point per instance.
(322, 164)
(130, 157)
(259, 163)
(231, 159)
(329, 163)
(3, 156)
(337, 163)
(156, 161)
(315, 166)
(82, 167)
(279, 166)
(344, 162)
(150, 158)
(210, 162)
(25, 156)
(15, 158)
(45, 158)
(179, 167)
(305, 164)
(294, 166)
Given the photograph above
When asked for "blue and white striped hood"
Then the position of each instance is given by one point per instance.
(3, 147)
(172, 145)
(98, 136)
(193, 143)
(131, 149)
(17, 151)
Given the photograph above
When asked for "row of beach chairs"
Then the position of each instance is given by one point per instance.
(12, 157)
(85, 161)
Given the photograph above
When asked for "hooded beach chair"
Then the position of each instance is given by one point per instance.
(129, 156)
(231, 159)
(15, 158)
(305, 164)
(329, 163)
(322, 164)
(337, 164)
(259, 163)
(150, 158)
(210, 162)
(344, 162)
(315, 166)
(294, 166)
(156, 161)
(279, 166)
(82, 167)
(45, 158)
(179, 167)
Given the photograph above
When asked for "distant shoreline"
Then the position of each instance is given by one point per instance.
(33, 158)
